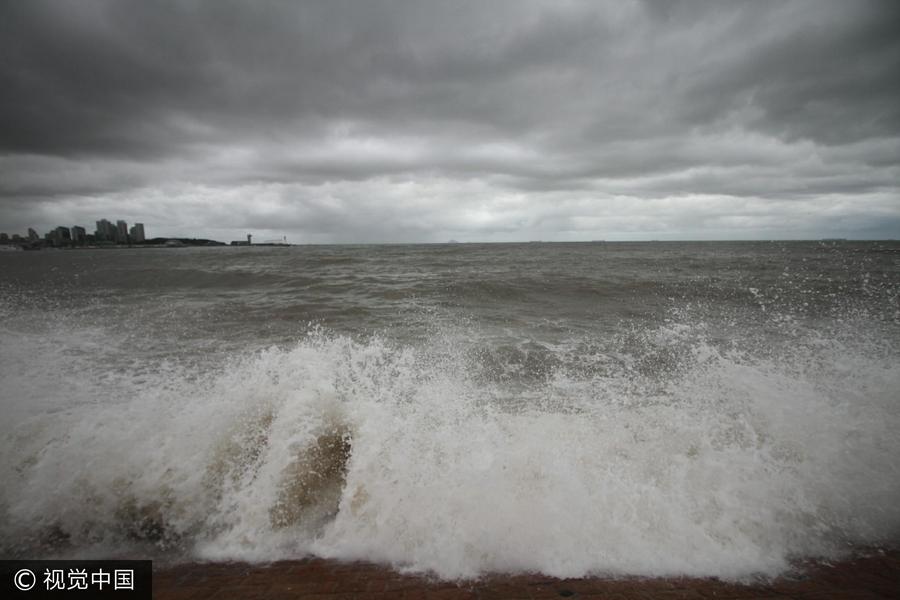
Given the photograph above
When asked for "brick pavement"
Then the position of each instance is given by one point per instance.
(876, 576)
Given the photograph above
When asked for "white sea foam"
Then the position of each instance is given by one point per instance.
(672, 456)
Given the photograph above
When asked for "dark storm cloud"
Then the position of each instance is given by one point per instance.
(551, 119)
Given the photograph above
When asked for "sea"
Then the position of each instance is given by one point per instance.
(716, 409)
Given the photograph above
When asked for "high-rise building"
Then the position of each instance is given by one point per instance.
(137, 233)
(121, 232)
(79, 235)
(60, 236)
(106, 232)
(33, 235)
(4, 237)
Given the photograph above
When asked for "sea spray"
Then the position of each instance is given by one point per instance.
(676, 456)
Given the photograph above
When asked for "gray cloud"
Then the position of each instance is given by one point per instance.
(505, 120)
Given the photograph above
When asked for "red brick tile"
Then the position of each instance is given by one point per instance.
(450, 594)
(501, 590)
(182, 593)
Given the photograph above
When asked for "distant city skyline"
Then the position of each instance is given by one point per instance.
(119, 234)
(77, 235)
(425, 121)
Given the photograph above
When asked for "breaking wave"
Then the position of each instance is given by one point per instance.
(653, 452)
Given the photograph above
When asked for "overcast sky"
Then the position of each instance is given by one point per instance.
(428, 120)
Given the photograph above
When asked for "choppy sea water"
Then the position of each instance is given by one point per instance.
(610, 408)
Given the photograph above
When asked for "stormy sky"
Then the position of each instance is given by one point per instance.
(421, 121)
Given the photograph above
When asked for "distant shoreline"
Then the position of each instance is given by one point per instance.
(172, 243)
(205, 243)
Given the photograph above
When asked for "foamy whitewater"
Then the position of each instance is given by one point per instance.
(570, 409)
